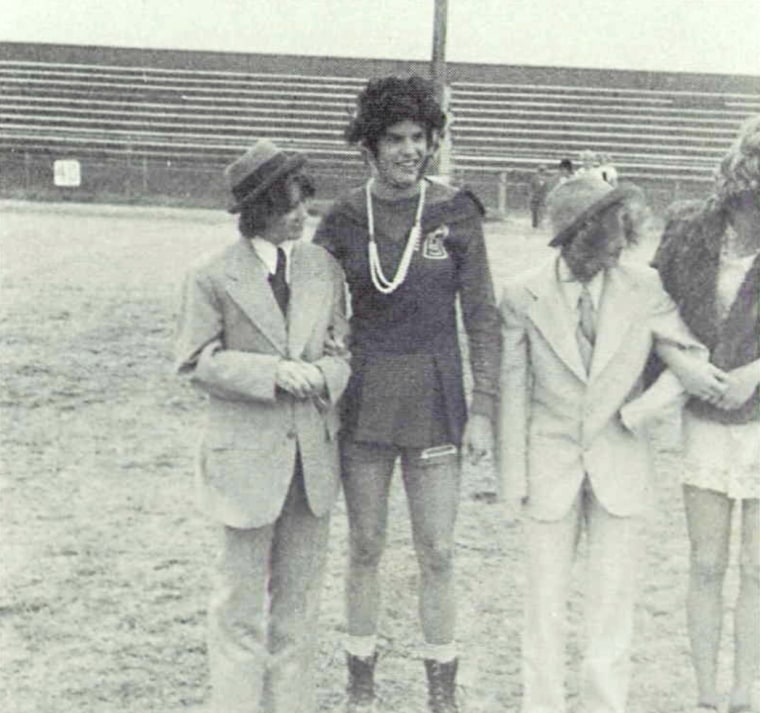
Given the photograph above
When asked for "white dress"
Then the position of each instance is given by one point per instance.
(724, 457)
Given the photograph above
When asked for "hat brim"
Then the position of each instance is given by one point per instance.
(292, 163)
(623, 192)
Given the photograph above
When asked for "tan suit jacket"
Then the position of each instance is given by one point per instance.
(231, 336)
(557, 423)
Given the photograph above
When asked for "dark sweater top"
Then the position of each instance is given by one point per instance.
(688, 261)
(406, 362)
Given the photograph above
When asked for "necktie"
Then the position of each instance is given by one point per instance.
(278, 282)
(586, 331)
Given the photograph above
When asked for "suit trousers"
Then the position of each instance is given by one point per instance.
(610, 587)
(264, 609)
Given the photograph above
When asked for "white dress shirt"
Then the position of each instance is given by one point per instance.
(268, 253)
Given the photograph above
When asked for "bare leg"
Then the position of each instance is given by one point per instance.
(708, 517)
(747, 613)
(433, 495)
(367, 472)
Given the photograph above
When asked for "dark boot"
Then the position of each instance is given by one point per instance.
(442, 686)
(361, 683)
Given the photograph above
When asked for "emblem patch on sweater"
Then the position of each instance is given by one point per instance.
(433, 247)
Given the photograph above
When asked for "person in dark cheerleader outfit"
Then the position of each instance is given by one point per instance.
(410, 248)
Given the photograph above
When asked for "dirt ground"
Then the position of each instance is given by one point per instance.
(104, 561)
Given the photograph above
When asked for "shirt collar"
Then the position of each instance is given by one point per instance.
(268, 253)
(572, 288)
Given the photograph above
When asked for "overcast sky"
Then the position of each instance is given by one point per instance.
(675, 35)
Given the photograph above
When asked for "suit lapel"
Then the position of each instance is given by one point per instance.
(617, 311)
(248, 285)
(308, 292)
(550, 313)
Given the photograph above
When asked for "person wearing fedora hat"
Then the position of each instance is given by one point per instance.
(262, 330)
(411, 248)
(577, 335)
(257, 170)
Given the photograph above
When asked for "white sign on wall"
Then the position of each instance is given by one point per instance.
(67, 173)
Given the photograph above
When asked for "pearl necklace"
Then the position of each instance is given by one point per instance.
(379, 280)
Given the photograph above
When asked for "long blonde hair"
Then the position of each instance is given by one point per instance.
(739, 170)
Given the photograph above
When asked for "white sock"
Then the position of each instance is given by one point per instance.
(442, 653)
(363, 646)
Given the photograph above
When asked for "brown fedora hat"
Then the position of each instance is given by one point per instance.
(257, 169)
(580, 198)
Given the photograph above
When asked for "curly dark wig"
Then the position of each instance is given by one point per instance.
(387, 101)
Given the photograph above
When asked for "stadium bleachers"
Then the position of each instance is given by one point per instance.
(650, 134)
(170, 114)
(109, 111)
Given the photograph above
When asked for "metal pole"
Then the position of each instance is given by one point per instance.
(27, 171)
(438, 62)
(145, 175)
(501, 195)
(438, 75)
(128, 181)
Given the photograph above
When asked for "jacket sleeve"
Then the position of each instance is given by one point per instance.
(668, 329)
(201, 355)
(335, 364)
(514, 404)
(677, 349)
(327, 233)
(481, 318)
(665, 397)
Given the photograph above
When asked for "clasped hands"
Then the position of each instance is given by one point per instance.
(300, 378)
(725, 389)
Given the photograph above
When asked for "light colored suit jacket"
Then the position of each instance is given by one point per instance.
(231, 336)
(557, 423)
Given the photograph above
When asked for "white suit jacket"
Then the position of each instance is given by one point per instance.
(231, 335)
(557, 423)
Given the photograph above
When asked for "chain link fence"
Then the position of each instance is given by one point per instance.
(139, 180)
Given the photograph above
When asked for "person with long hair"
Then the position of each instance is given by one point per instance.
(709, 261)
(410, 248)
